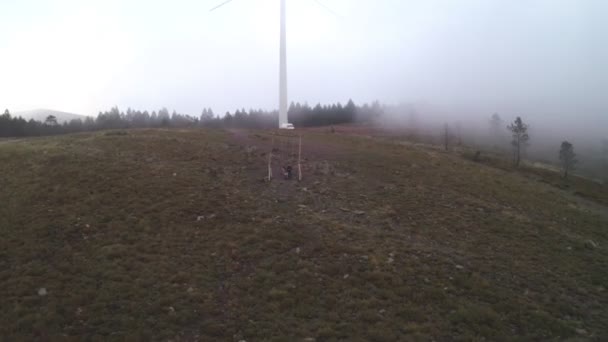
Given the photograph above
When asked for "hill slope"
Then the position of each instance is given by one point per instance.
(42, 114)
(174, 235)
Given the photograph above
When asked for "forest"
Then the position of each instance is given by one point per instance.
(301, 115)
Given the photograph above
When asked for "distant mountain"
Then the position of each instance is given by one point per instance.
(42, 114)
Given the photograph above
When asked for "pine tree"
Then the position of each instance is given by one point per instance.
(567, 158)
(51, 120)
(519, 131)
(495, 124)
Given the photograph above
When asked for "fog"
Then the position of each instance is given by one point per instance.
(543, 60)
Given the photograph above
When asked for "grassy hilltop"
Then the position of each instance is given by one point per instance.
(174, 235)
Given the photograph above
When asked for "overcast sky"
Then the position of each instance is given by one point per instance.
(531, 57)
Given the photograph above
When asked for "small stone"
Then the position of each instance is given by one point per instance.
(298, 250)
(346, 276)
(460, 267)
(200, 218)
(190, 290)
(359, 212)
(390, 260)
(42, 291)
(174, 174)
(581, 331)
(590, 244)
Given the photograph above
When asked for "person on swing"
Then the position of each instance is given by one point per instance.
(287, 171)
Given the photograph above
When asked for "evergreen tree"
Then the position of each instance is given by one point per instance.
(519, 132)
(51, 120)
(567, 158)
(496, 123)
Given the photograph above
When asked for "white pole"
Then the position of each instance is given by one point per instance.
(283, 70)
(270, 161)
(300, 160)
(269, 166)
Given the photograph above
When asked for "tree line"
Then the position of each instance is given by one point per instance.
(301, 115)
(520, 140)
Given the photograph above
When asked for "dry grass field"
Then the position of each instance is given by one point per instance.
(175, 235)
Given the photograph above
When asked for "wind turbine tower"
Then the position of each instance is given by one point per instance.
(283, 121)
(283, 70)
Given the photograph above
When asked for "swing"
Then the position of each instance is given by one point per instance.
(286, 155)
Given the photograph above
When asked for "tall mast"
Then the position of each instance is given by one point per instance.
(283, 71)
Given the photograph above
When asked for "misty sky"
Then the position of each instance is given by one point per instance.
(529, 57)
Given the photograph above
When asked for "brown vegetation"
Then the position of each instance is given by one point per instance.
(174, 234)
